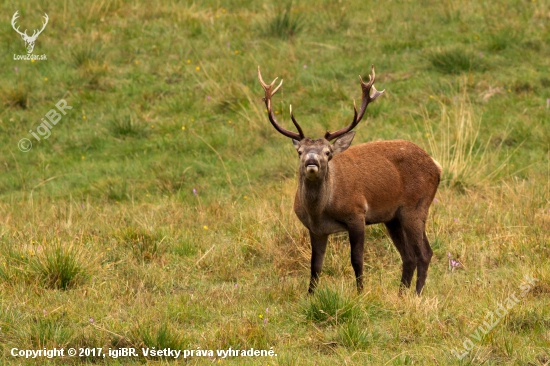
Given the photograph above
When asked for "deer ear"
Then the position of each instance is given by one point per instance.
(342, 143)
(296, 144)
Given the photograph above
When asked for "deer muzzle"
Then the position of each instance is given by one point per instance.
(312, 167)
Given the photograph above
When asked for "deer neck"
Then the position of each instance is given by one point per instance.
(315, 195)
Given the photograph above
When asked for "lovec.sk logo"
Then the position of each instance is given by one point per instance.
(29, 40)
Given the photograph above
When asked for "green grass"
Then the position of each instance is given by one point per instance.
(355, 335)
(328, 306)
(123, 126)
(58, 267)
(143, 245)
(159, 336)
(103, 242)
(455, 61)
(283, 24)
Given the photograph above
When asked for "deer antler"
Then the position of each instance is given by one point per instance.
(13, 19)
(268, 94)
(35, 33)
(43, 27)
(367, 98)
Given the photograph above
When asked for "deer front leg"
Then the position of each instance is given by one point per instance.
(318, 249)
(357, 241)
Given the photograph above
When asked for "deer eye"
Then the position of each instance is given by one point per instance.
(327, 153)
(300, 153)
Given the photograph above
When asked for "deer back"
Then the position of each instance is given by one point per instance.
(373, 180)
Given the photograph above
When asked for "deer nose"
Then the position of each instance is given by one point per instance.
(312, 160)
(312, 166)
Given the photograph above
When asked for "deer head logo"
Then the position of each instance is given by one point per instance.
(29, 40)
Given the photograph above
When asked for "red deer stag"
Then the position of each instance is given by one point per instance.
(344, 188)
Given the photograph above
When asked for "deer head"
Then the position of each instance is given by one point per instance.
(29, 40)
(315, 154)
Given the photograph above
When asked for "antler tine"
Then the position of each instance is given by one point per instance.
(331, 136)
(43, 24)
(269, 86)
(366, 99)
(296, 123)
(267, 99)
(369, 85)
(13, 20)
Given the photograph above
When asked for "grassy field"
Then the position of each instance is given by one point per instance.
(158, 213)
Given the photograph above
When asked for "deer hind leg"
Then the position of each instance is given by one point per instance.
(423, 265)
(408, 255)
(357, 243)
(417, 240)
